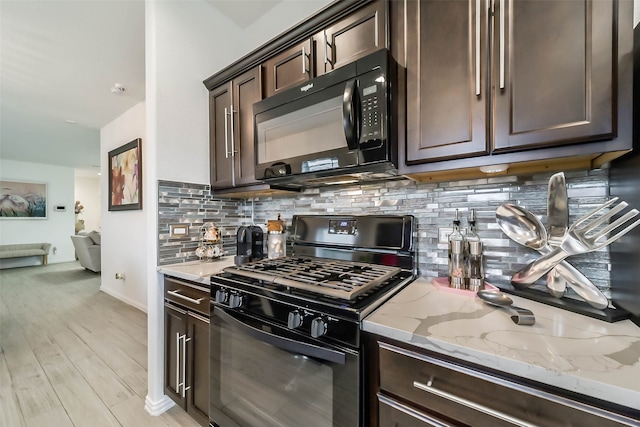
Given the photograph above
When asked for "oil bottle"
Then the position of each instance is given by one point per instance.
(456, 256)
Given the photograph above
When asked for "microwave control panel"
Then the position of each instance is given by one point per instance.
(373, 102)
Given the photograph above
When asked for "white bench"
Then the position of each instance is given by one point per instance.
(26, 249)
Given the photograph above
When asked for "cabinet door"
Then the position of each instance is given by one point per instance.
(220, 137)
(447, 91)
(175, 327)
(353, 37)
(289, 68)
(553, 63)
(247, 90)
(198, 368)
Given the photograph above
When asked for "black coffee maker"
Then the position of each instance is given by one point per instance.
(249, 244)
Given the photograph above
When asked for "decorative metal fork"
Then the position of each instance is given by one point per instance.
(580, 238)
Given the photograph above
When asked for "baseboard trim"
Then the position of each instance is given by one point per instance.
(124, 299)
(158, 407)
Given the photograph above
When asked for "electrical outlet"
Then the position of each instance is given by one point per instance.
(443, 233)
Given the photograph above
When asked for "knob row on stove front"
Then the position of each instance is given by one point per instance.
(318, 325)
(232, 299)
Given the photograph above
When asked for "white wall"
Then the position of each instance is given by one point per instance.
(56, 228)
(124, 246)
(636, 12)
(186, 42)
(87, 191)
(194, 40)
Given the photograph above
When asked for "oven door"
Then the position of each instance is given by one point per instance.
(265, 375)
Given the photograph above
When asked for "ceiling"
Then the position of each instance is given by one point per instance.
(59, 60)
(243, 12)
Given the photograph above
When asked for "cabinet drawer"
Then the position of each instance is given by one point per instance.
(187, 295)
(477, 398)
(393, 413)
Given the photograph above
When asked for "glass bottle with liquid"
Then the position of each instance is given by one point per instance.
(456, 256)
(474, 256)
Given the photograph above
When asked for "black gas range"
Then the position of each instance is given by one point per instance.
(306, 307)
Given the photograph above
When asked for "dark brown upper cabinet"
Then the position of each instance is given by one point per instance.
(347, 29)
(289, 68)
(447, 79)
(553, 72)
(231, 130)
(354, 36)
(492, 77)
(362, 32)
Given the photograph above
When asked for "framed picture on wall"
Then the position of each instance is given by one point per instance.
(23, 200)
(125, 177)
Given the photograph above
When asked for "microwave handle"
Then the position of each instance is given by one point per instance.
(351, 114)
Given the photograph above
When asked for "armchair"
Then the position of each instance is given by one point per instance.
(88, 250)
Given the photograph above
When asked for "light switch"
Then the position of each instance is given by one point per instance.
(178, 230)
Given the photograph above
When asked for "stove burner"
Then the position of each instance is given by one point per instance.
(340, 279)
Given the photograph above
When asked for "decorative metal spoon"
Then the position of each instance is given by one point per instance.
(520, 316)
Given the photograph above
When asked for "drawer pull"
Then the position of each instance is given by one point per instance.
(462, 401)
(186, 298)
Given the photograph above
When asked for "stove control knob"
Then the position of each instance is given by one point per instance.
(295, 319)
(318, 327)
(222, 296)
(235, 300)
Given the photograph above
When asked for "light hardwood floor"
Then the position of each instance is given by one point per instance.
(71, 354)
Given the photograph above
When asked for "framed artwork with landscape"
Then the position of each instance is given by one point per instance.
(23, 200)
(125, 177)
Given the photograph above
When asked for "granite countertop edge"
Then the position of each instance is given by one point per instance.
(563, 349)
(196, 271)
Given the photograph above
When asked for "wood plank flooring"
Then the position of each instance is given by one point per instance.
(72, 355)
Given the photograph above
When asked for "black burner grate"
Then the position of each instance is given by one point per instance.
(336, 278)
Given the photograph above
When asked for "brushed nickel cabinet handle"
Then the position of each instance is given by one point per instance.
(226, 134)
(233, 145)
(477, 47)
(420, 417)
(304, 62)
(184, 297)
(184, 365)
(177, 362)
(502, 42)
(469, 404)
(326, 55)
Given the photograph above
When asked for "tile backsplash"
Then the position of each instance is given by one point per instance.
(433, 205)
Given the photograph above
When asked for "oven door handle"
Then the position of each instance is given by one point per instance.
(351, 114)
(286, 344)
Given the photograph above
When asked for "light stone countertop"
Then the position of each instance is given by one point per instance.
(197, 271)
(563, 349)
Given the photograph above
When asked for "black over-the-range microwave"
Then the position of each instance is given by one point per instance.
(335, 128)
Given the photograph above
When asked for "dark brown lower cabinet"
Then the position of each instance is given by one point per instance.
(396, 414)
(186, 376)
(417, 388)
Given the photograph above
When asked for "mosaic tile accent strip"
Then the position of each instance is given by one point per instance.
(433, 205)
(193, 205)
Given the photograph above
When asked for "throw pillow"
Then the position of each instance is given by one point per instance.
(95, 236)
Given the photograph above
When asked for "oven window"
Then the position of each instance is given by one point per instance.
(258, 384)
(314, 129)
